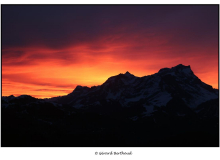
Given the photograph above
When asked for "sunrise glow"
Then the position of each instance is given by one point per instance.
(48, 54)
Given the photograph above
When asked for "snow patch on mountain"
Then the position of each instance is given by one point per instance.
(135, 118)
(148, 91)
(161, 99)
(204, 95)
(149, 110)
(134, 99)
(111, 95)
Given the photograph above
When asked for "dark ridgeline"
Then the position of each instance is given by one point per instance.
(170, 108)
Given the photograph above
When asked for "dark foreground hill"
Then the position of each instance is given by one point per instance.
(170, 108)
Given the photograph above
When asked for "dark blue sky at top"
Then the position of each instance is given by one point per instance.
(57, 47)
(62, 26)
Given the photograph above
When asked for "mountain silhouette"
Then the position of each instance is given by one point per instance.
(177, 84)
(172, 107)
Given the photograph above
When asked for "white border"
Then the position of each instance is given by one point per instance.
(139, 153)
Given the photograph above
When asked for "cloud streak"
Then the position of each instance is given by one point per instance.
(62, 46)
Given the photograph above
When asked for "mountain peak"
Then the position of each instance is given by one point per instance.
(127, 73)
(182, 66)
(11, 96)
(179, 68)
(25, 96)
(81, 88)
(183, 69)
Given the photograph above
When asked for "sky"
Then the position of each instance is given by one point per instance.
(48, 50)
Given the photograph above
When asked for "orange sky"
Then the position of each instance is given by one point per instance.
(49, 77)
(46, 53)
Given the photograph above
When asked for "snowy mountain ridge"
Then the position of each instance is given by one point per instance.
(150, 92)
(170, 89)
(171, 107)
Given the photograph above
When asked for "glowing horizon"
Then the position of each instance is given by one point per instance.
(70, 88)
(49, 53)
